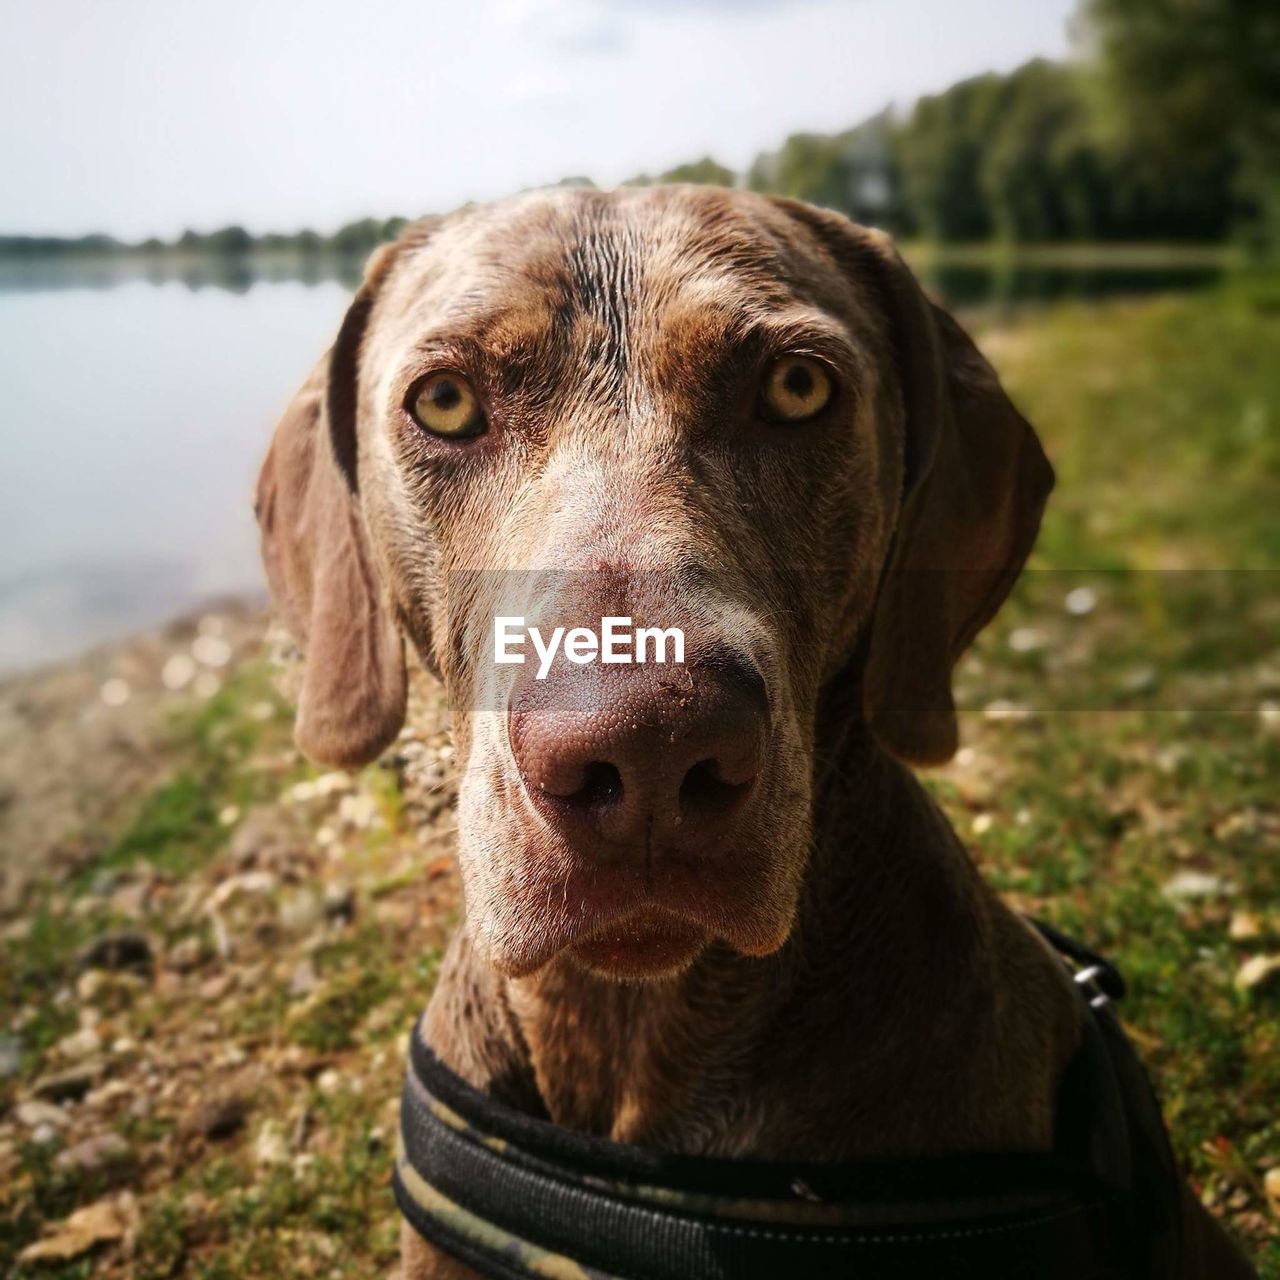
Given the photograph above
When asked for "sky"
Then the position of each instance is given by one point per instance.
(145, 117)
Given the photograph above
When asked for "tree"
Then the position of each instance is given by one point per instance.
(1194, 85)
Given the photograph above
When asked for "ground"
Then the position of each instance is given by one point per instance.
(211, 954)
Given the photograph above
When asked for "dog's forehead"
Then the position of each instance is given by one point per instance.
(638, 252)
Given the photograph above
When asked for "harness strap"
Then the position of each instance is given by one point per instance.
(516, 1197)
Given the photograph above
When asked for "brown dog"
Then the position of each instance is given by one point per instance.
(709, 909)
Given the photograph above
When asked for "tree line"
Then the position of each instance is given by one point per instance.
(1167, 127)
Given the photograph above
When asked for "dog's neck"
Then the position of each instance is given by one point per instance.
(907, 1002)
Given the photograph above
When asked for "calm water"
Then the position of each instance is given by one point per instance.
(136, 408)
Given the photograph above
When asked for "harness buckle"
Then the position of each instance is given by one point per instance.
(1087, 980)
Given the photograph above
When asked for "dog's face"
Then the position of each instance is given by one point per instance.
(696, 409)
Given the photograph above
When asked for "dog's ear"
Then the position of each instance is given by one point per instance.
(974, 487)
(316, 550)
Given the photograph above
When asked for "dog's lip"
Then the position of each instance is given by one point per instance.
(649, 942)
(584, 903)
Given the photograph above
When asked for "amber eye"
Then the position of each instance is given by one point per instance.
(795, 389)
(446, 405)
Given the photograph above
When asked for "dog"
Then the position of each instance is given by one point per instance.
(709, 908)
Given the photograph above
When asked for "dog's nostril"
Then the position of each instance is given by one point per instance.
(703, 793)
(601, 784)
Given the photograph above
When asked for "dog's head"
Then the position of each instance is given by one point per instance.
(702, 410)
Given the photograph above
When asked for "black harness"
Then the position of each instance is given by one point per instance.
(515, 1197)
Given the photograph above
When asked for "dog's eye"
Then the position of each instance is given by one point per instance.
(446, 405)
(795, 389)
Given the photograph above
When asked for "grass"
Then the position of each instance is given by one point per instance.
(1108, 751)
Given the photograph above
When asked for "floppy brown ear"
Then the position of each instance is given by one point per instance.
(316, 551)
(975, 485)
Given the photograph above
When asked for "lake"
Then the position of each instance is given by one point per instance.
(138, 402)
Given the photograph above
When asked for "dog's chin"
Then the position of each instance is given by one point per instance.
(648, 946)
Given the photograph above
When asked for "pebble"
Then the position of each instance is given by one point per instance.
(248, 882)
(114, 692)
(1187, 885)
(178, 672)
(94, 1153)
(1258, 973)
(359, 811)
(1244, 926)
(34, 1114)
(982, 824)
(80, 1044)
(1027, 639)
(300, 911)
(1081, 601)
(1271, 1185)
(1003, 710)
(71, 1084)
(185, 955)
(211, 650)
(270, 1148)
(303, 981)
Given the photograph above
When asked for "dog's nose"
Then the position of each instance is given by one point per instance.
(641, 757)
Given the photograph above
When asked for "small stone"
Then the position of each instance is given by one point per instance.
(982, 824)
(270, 1147)
(216, 987)
(303, 981)
(1004, 710)
(329, 1081)
(229, 815)
(100, 1223)
(115, 692)
(252, 883)
(1271, 1185)
(1244, 926)
(178, 672)
(1269, 714)
(89, 984)
(94, 1153)
(123, 949)
(107, 1096)
(1187, 885)
(359, 811)
(34, 1114)
(185, 955)
(1081, 601)
(1027, 639)
(68, 1085)
(80, 1044)
(1258, 973)
(300, 911)
(333, 783)
(211, 650)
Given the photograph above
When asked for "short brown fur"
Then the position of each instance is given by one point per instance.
(853, 987)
